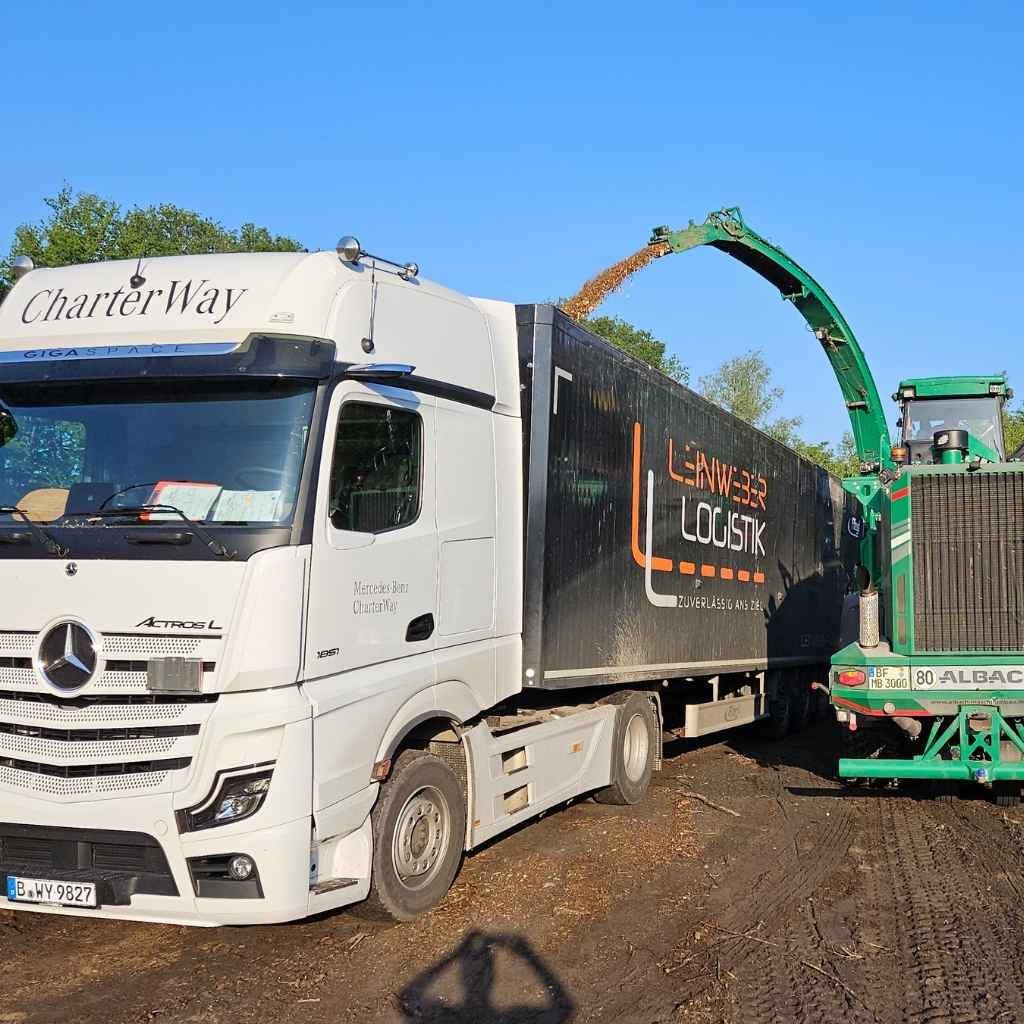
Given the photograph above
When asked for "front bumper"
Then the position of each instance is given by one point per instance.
(281, 854)
(131, 846)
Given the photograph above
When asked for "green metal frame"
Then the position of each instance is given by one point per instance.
(727, 231)
(953, 750)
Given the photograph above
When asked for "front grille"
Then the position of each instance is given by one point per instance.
(115, 738)
(99, 745)
(90, 771)
(967, 533)
(125, 659)
(121, 864)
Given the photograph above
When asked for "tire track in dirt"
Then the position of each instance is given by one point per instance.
(783, 971)
(739, 946)
(958, 926)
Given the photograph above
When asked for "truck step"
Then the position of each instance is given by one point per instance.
(331, 884)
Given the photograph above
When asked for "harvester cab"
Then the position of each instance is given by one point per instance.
(946, 420)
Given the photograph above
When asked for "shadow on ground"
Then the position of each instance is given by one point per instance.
(490, 978)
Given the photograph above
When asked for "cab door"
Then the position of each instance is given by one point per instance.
(373, 582)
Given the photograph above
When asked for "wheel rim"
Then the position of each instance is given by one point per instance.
(636, 745)
(421, 838)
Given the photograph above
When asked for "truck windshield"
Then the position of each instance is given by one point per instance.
(979, 416)
(221, 451)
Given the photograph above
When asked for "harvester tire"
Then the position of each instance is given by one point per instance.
(1007, 794)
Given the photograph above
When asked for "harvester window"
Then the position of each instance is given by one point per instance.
(923, 418)
(376, 474)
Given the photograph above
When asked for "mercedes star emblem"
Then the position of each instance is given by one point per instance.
(67, 656)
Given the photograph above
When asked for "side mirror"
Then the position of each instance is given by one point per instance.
(8, 426)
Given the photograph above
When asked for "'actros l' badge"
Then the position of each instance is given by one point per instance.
(67, 656)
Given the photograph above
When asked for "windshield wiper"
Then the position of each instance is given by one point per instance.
(133, 510)
(46, 539)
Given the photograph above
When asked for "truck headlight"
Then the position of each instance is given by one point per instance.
(236, 795)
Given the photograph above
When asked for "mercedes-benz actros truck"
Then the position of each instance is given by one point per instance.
(315, 575)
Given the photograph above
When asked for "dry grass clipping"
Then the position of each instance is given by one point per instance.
(598, 288)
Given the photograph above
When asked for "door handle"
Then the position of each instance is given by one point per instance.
(421, 628)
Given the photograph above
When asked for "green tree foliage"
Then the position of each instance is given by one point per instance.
(638, 342)
(743, 386)
(841, 459)
(83, 227)
(1013, 428)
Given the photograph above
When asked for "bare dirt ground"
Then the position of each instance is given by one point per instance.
(814, 903)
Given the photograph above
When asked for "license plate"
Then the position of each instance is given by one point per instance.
(46, 890)
(889, 677)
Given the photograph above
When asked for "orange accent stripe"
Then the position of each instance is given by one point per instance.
(687, 568)
(725, 573)
(759, 577)
(658, 564)
(707, 570)
(671, 472)
(744, 576)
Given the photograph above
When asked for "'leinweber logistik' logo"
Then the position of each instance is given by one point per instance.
(55, 305)
(721, 517)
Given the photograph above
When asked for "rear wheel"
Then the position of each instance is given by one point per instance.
(419, 828)
(634, 751)
(776, 725)
(799, 685)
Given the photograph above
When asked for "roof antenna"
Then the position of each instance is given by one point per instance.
(367, 342)
(137, 280)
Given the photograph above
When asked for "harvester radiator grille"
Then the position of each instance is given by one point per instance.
(968, 557)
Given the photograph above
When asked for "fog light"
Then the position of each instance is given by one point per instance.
(241, 867)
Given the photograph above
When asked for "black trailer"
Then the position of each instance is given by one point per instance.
(665, 537)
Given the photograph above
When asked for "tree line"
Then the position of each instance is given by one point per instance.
(83, 227)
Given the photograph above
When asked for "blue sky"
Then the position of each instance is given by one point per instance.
(514, 150)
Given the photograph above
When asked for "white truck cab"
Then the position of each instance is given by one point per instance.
(261, 557)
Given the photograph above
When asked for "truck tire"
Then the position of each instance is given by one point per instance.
(634, 751)
(821, 707)
(776, 724)
(799, 684)
(419, 830)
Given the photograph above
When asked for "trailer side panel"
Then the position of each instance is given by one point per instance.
(664, 536)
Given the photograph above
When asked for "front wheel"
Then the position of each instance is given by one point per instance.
(419, 828)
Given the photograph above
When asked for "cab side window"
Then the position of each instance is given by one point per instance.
(376, 477)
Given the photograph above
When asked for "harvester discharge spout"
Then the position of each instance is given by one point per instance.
(727, 231)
